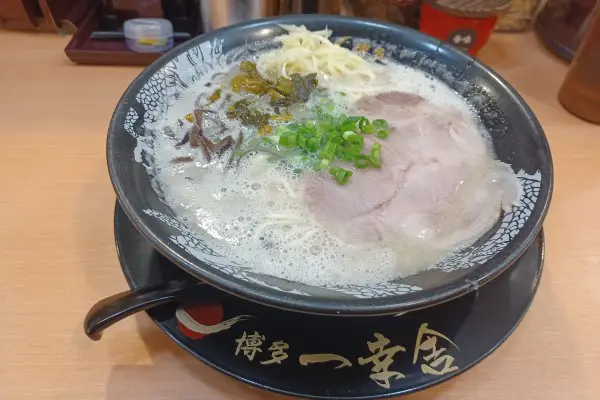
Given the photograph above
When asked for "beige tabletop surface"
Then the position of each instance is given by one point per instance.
(57, 254)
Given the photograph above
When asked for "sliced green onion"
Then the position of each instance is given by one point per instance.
(349, 122)
(312, 145)
(382, 133)
(341, 119)
(348, 156)
(308, 129)
(345, 153)
(327, 155)
(321, 130)
(335, 138)
(346, 135)
(322, 164)
(356, 140)
(283, 130)
(289, 140)
(381, 128)
(340, 175)
(380, 123)
(361, 161)
(375, 155)
(347, 127)
(362, 123)
(365, 126)
(328, 152)
(302, 139)
(352, 150)
(331, 145)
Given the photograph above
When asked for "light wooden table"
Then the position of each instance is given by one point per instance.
(57, 254)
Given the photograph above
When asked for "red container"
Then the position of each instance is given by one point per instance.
(450, 21)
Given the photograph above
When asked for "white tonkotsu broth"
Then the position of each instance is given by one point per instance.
(257, 214)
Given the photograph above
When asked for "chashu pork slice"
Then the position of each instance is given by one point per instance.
(439, 187)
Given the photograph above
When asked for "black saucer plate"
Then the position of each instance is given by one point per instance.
(328, 357)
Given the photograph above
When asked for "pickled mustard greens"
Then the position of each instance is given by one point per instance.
(320, 133)
(283, 93)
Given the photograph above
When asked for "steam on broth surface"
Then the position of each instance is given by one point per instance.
(315, 165)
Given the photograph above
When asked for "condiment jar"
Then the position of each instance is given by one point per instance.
(148, 34)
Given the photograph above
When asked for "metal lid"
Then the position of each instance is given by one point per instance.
(471, 8)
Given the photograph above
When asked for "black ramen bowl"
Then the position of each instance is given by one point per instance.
(517, 136)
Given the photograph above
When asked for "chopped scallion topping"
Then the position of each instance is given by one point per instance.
(356, 140)
(362, 161)
(289, 140)
(347, 134)
(323, 164)
(365, 126)
(375, 155)
(334, 138)
(340, 175)
(381, 128)
(362, 123)
(382, 134)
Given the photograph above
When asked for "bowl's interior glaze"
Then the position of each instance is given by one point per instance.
(517, 136)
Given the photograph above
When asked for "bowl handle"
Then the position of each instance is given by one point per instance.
(121, 305)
